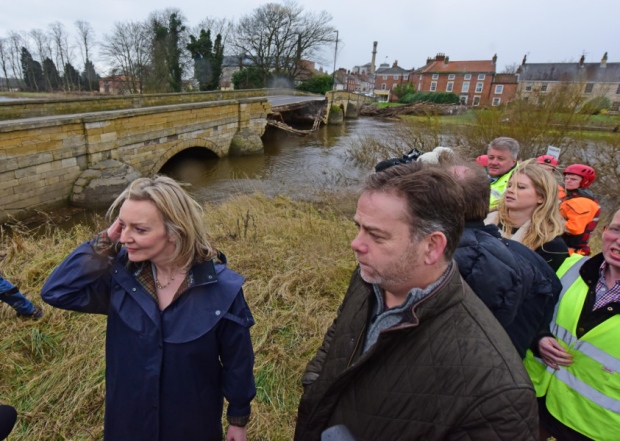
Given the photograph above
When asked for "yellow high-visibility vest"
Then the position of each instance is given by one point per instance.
(498, 188)
(584, 396)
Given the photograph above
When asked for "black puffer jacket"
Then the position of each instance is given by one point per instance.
(491, 270)
(447, 372)
(514, 282)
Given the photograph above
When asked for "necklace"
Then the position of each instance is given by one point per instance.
(159, 285)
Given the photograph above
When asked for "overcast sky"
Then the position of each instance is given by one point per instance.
(407, 30)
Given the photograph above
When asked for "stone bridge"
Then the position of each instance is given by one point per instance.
(349, 104)
(88, 150)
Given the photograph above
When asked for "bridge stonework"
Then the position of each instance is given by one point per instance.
(41, 158)
(349, 103)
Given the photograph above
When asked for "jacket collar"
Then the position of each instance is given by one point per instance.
(203, 273)
(589, 271)
(448, 293)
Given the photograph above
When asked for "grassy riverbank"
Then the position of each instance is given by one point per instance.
(297, 262)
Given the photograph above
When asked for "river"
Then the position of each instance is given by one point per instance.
(295, 166)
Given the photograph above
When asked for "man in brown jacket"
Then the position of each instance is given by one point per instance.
(413, 353)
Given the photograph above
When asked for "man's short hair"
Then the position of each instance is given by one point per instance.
(506, 144)
(474, 183)
(434, 199)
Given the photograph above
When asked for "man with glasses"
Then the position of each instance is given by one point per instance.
(577, 377)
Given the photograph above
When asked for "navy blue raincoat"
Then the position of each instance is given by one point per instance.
(167, 372)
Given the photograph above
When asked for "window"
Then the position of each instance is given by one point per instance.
(465, 87)
(499, 89)
(543, 87)
(479, 87)
(435, 76)
(480, 77)
(450, 86)
(528, 87)
(385, 77)
(589, 87)
(433, 86)
(463, 99)
(467, 77)
(618, 90)
(476, 101)
(395, 77)
(615, 106)
(383, 86)
(405, 77)
(451, 76)
(496, 101)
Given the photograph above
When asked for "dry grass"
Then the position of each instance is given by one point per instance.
(297, 263)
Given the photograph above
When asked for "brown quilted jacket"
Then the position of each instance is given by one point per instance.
(449, 372)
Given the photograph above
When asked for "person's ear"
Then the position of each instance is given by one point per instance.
(436, 243)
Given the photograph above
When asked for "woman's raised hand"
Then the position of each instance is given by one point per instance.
(114, 231)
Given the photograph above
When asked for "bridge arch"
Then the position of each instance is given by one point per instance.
(179, 146)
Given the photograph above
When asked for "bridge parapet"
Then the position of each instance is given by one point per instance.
(12, 110)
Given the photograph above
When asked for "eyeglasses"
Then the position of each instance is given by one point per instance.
(612, 231)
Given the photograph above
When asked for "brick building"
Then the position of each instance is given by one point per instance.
(472, 81)
(503, 89)
(387, 78)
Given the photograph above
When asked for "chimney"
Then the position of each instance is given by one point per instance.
(581, 60)
(395, 63)
(440, 57)
(494, 59)
(524, 60)
(447, 60)
(604, 60)
(374, 56)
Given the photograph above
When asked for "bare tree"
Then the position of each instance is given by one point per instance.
(127, 49)
(221, 26)
(44, 50)
(60, 40)
(277, 37)
(86, 37)
(4, 59)
(510, 68)
(16, 41)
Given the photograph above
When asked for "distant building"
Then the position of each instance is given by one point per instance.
(472, 81)
(387, 78)
(503, 89)
(593, 79)
(117, 85)
(362, 70)
(230, 65)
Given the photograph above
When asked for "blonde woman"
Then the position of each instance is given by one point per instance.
(528, 212)
(178, 332)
